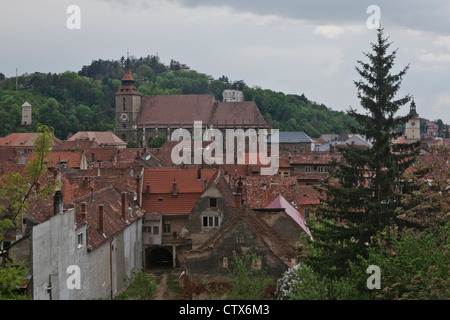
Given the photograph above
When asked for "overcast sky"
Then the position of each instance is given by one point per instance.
(296, 47)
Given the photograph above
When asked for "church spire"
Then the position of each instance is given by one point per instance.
(128, 82)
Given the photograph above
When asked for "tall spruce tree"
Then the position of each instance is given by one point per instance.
(366, 199)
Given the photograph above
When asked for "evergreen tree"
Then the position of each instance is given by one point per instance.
(366, 199)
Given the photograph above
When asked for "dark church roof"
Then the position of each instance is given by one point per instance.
(176, 110)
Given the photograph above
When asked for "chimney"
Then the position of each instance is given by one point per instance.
(238, 199)
(83, 210)
(100, 219)
(124, 204)
(174, 188)
(85, 182)
(72, 207)
(138, 189)
(57, 203)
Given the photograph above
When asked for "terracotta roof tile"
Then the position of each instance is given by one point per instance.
(22, 140)
(176, 109)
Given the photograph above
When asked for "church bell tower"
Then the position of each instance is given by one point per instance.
(128, 105)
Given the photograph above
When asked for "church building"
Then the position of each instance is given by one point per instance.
(140, 119)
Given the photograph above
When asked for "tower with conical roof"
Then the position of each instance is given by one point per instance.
(128, 105)
(26, 114)
(412, 130)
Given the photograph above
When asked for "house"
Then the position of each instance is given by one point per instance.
(312, 167)
(260, 192)
(23, 141)
(97, 238)
(293, 141)
(170, 194)
(103, 139)
(269, 233)
(76, 160)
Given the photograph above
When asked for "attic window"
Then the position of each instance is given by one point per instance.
(160, 199)
(210, 221)
(213, 202)
(80, 240)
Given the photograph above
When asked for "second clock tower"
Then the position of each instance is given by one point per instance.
(412, 130)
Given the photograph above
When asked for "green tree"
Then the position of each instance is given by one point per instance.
(15, 190)
(157, 142)
(367, 199)
(247, 282)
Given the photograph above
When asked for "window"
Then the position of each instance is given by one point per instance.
(80, 240)
(146, 229)
(307, 212)
(166, 227)
(240, 238)
(160, 199)
(210, 222)
(307, 169)
(323, 169)
(225, 262)
(155, 230)
(256, 263)
(213, 202)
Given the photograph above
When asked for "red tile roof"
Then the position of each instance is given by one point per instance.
(22, 140)
(189, 189)
(260, 191)
(161, 180)
(72, 159)
(103, 138)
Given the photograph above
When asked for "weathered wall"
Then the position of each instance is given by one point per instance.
(194, 225)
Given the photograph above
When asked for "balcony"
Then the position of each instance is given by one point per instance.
(174, 239)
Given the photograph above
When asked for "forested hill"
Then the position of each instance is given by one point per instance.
(85, 100)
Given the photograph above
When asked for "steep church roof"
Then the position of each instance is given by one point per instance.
(185, 109)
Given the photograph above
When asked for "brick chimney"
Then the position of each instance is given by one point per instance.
(100, 219)
(174, 188)
(57, 203)
(124, 206)
(83, 210)
(238, 197)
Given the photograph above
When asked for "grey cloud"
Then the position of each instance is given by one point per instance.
(428, 15)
